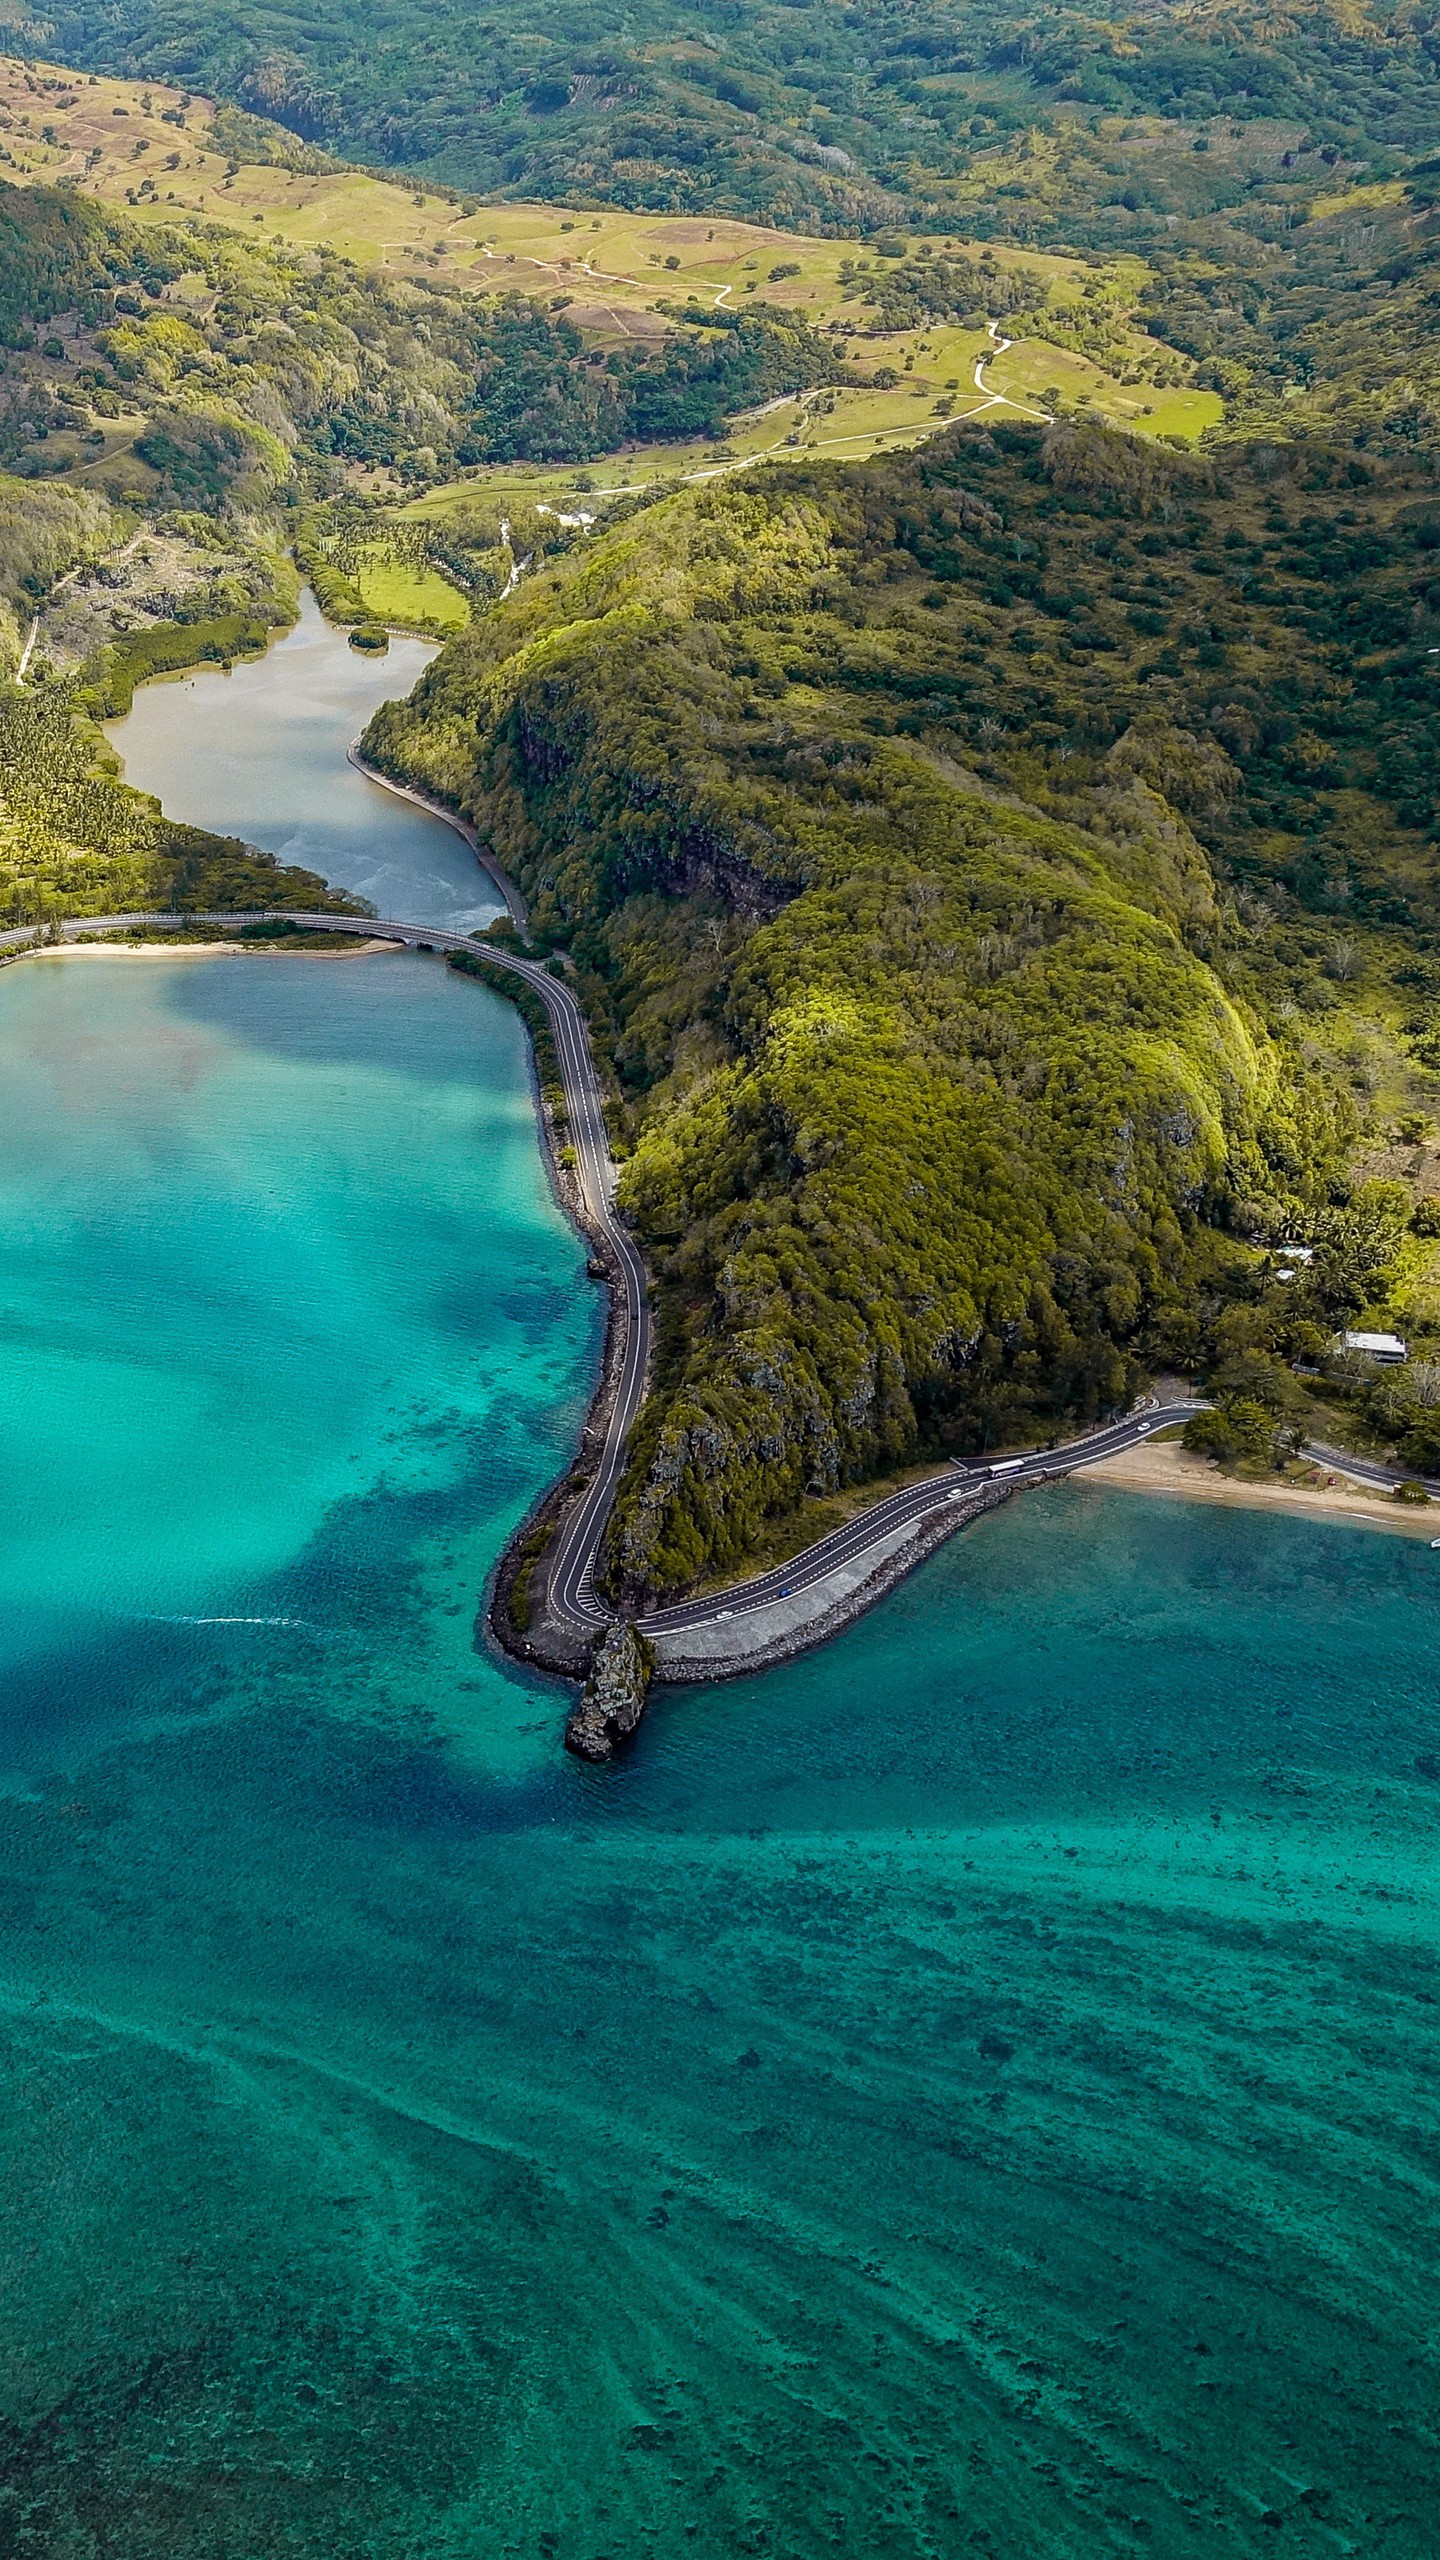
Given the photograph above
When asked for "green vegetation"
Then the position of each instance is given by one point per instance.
(535, 400)
(417, 597)
(1002, 878)
(198, 393)
(1256, 273)
(613, 277)
(166, 648)
(368, 570)
(75, 841)
(1396, 1411)
(523, 1561)
(334, 589)
(978, 865)
(54, 255)
(1260, 1414)
(1266, 1406)
(197, 370)
(220, 361)
(861, 116)
(44, 535)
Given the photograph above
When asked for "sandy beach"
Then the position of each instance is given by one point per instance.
(191, 950)
(1164, 1467)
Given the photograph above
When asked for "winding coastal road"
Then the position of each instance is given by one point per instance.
(953, 1485)
(572, 1603)
(572, 1597)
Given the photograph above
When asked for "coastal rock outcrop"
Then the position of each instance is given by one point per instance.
(613, 1699)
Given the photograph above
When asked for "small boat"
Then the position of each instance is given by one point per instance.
(1434, 1543)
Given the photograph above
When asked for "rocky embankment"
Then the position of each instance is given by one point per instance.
(745, 1638)
(744, 1634)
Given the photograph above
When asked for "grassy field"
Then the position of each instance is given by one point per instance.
(844, 425)
(110, 138)
(1358, 199)
(397, 593)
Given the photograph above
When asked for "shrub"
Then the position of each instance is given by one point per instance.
(1209, 1435)
(1420, 1446)
(1230, 1432)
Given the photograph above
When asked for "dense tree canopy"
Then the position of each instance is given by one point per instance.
(810, 116)
(953, 850)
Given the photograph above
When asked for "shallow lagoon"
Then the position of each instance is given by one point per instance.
(972, 2091)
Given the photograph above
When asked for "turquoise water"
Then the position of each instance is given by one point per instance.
(260, 753)
(974, 2091)
(293, 1328)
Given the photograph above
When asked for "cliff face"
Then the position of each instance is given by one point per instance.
(936, 1102)
(613, 1699)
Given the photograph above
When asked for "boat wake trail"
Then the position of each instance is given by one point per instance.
(150, 1618)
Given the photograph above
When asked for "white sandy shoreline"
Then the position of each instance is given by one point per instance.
(286, 949)
(1165, 1468)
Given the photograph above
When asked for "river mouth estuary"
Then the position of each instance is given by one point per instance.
(970, 2091)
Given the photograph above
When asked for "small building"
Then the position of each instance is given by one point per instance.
(1386, 1347)
(1302, 1253)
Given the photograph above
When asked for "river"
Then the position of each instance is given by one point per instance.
(260, 753)
(971, 2091)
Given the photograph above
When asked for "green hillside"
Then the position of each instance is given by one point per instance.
(1002, 877)
(179, 411)
(810, 116)
(228, 360)
(973, 863)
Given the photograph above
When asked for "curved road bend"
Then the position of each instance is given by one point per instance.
(958, 1483)
(901, 1510)
(572, 1591)
(1367, 1470)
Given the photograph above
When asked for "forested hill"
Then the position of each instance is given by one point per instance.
(813, 116)
(972, 861)
(1003, 877)
(245, 356)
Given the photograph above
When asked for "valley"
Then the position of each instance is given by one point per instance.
(990, 595)
(151, 152)
(861, 584)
